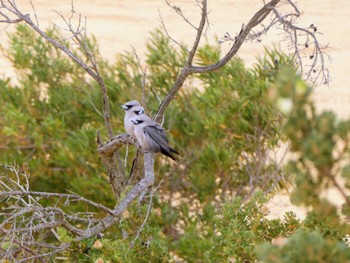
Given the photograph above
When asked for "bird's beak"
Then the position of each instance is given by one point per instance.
(124, 107)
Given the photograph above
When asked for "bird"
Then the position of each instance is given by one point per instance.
(132, 109)
(152, 137)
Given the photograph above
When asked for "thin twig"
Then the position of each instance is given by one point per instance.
(145, 220)
(71, 197)
(189, 69)
(169, 36)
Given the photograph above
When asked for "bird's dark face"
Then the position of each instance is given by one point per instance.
(139, 112)
(136, 121)
(127, 106)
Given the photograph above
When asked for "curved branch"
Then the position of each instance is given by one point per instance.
(19, 221)
(317, 53)
(106, 152)
(69, 197)
(116, 171)
(253, 22)
(140, 187)
(199, 33)
(110, 147)
(184, 73)
(189, 69)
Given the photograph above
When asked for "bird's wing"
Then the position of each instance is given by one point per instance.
(157, 134)
(162, 132)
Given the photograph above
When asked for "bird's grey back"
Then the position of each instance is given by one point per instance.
(141, 130)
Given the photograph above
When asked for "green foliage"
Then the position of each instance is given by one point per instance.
(221, 125)
(241, 227)
(320, 143)
(305, 247)
(226, 124)
(164, 63)
(115, 246)
(49, 124)
(117, 251)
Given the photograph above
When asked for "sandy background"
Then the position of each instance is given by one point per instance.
(120, 25)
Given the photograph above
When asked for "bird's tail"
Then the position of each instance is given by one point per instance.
(173, 150)
(169, 153)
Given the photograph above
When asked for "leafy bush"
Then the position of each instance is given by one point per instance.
(227, 124)
(306, 247)
(240, 228)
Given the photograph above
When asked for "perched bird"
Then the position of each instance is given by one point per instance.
(132, 109)
(152, 137)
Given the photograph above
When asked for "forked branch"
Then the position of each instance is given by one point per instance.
(189, 69)
(116, 171)
(286, 23)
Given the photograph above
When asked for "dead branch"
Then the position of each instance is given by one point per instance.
(169, 36)
(247, 33)
(145, 220)
(140, 187)
(24, 219)
(107, 152)
(117, 174)
(66, 197)
(189, 69)
(301, 41)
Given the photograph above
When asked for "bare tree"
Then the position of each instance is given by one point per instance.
(26, 221)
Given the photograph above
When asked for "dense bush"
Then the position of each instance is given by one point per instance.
(226, 124)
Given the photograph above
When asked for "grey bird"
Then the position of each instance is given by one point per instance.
(152, 137)
(132, 109)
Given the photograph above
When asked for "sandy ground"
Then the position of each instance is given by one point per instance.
(121, 25)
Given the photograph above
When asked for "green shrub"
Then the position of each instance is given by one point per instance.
(210, 207)
(305, 247)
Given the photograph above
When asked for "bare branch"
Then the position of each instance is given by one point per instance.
(185, 71)
(169, 36)
(256, 163)
(35, 15)
(199, 33)
(140, 187)
(145, 220)
(317, 55)
(253, 22)
(108, 149)
(68, 197)
(44, 255)
(331, 177)
(179, 12)
(189, 69)
(21, 220)
(10, 21)
(107, 153)
(92, 70)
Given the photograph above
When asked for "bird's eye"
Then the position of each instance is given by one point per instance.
(138, 112)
